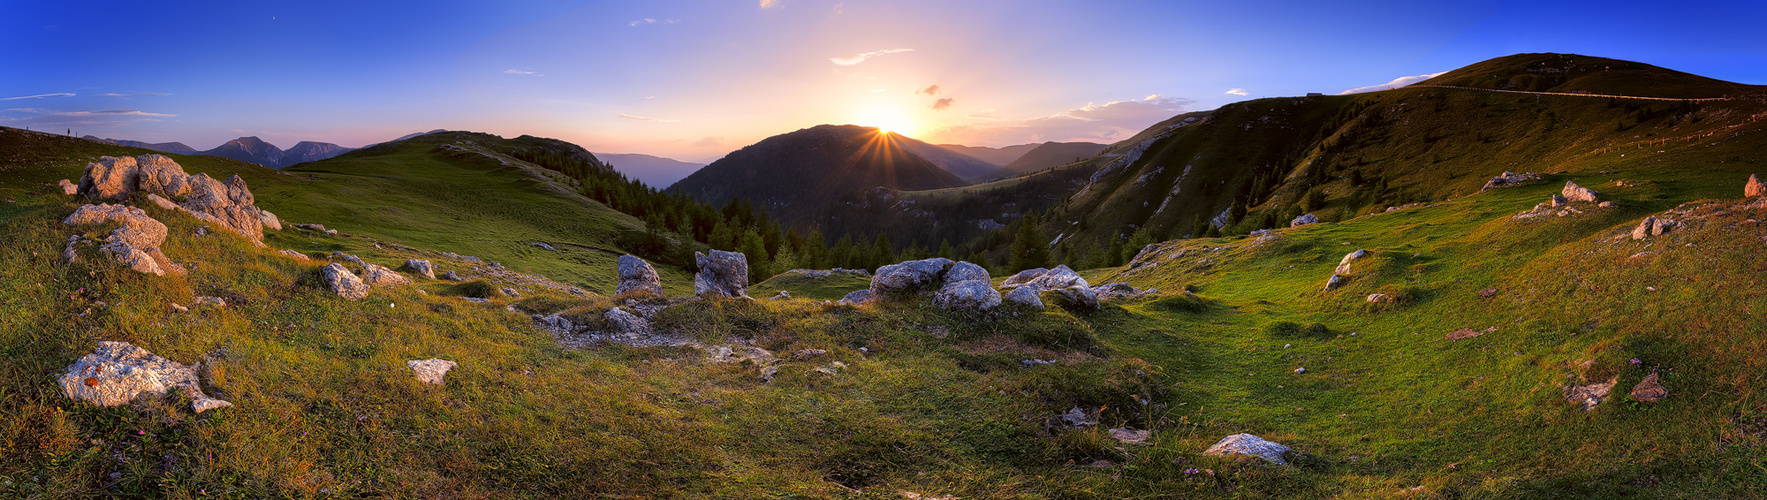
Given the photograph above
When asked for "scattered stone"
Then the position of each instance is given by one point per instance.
(136, 244)
(1589, 395)
(344, 283)
(768, 372)
(1649, 390)
(1557, 201)
(1303, 220)
(1046, 279)
(179, 308)
(721, 273)
(809, 353)
(1299, 371)
(1025, 296)
(626, 324)
(422, 267)
(69, 253)
(162, 202)
(832, 368)
(269, 220)
(1661, 226)
(68, 187)
(1127, 435)
(332, 232)
(782, 295)
(1036, 362)
(209, 302)
(1573, 192)
(1508, 179)
(202, 230)
(1488, 293)
(1605, 204)
(430, 371)
(1644, 228)
(904, 280)
(1249, 445)
(856, 297)
(1379, 298)
(1464, 333)
(511, 292)
(1344, 264)
(543, 245)
(637, 278)
(380, 276)
(1113, 291)
(1754, 187)
(450, 276)
(1077, 418)
(1335, 282)
(118, 372)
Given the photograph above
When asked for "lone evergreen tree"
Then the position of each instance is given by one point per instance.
(1028, 249)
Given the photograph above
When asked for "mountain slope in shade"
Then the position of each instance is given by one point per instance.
(964, 166)
(654, 171)
(1572, 73)
(996, 156)
(1054, 154)
(251, 150)
(163, 147)
(796, 175)
(307, 151)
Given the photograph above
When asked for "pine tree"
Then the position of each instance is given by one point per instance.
(1028, 248)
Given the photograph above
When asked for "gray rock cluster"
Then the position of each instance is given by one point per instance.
(638, 278)
(967, 287)
(343, 282)
(1114, 291)
(135, 244)
(225, 204)
(1508, 179)
(422, 267)
(119, 372)
(1303, 220)
(721, 273)
(1344, 264)
(1574, 192)
(1652, 226)
(1251, 446)
(907, 279)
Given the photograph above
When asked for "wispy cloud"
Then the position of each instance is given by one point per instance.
(1238, 92)
(768, 4)
(108, 112)
(706, 142)
(1110, 122)
(1397, 82)
(646, 119)
(943, 104)
(126, 96)
(859, 58)
(38, 96)
(523, 71)
(647, 20)
(874, 91)
(932, 90)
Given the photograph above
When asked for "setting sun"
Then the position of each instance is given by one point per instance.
(889, 122)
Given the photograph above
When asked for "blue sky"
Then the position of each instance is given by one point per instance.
(693, 80)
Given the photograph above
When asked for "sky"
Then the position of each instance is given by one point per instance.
(693, 80)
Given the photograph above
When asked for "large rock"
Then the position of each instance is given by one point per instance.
(118, 372)
(380, 276)
(136, 243)
(1574, 192)
(1344, 265)
(969, 295)
(422, 267)
(626, 324)
(269, 219)
(856, 297)
(904, 280)
(637, 277)
(1644, 227)
(965, 271)
(110, 178)
(1303, 220)
(160, 175)
(1025, 296)
(1754, 187)
(1249, 445)
(344, 283)
(431, 371)
(1073, 298)
(228, 205)
(721, 273)
(1046, 279)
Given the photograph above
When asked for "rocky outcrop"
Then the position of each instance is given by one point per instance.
(1652, 226)
(721, 273)
(228, 205)
(1073, 298)
(1650, 390)
(1334, 282)
(1303, 220)
(344, 283)
(1344, 264)
(1046, 279)
(1251, 446)
(381, 276)
(1114, 291)
(637, 278)
(1573, 192)
(626, 324)
(969, 295)
(136, 243)
(119, 372)
(856, 297)
(905, 280)
(1754, 187)
(1508, 179)
(292, 254)
(431, 371)
(1025, 296)
(422, 267)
